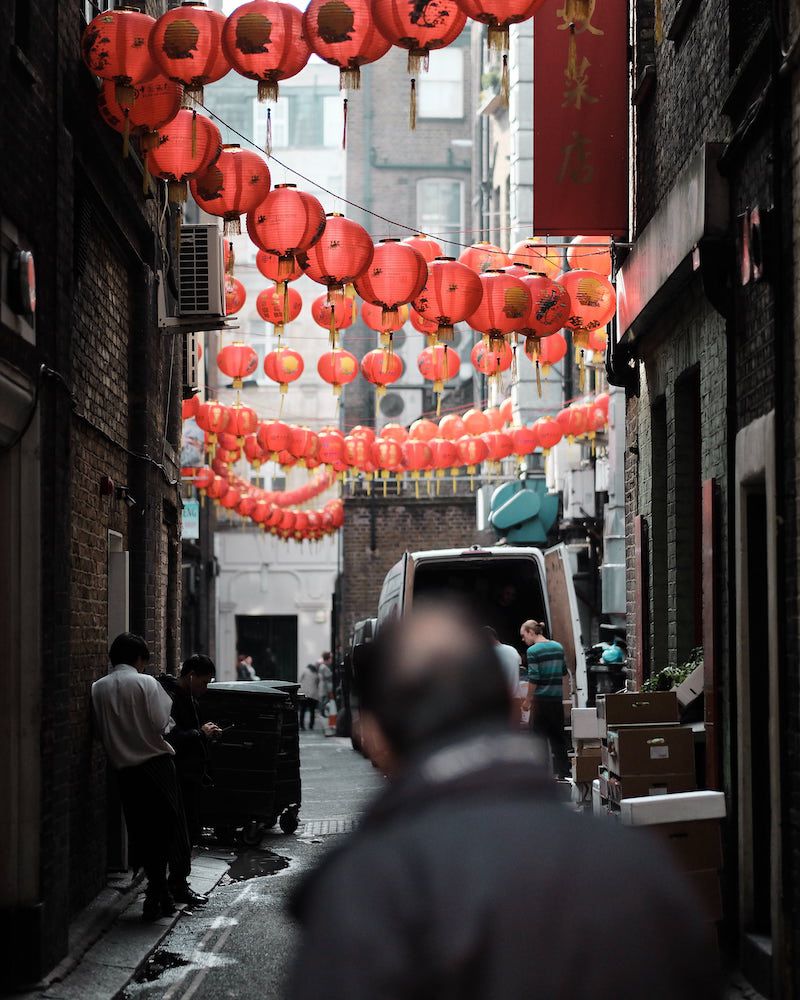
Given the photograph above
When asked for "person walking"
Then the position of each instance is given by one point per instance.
(190, 741)
(245, 671)
(467, 877)
(546, 670)
(309, 688)
(325, 672)
(132, 715)
(511, 663)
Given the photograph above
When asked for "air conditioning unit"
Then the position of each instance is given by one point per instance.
(399, 406)
(200, 301)
(579, 497)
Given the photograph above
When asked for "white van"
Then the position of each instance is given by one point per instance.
(507, 585)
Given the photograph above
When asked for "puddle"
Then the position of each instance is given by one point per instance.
(254, 864)
(159, 963)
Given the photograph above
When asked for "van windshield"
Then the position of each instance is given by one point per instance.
(501, 592)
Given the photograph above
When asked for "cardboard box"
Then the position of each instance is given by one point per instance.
(584, 724)
(597, 800)
(637, 785)
(680, 808)
(585, 764)
(707, 889)
(691, 688)
(653, 708)
(696, 845)
(649, 750)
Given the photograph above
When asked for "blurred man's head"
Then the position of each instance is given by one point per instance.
(431, 674)
(197, 672)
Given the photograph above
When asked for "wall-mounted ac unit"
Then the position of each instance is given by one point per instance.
(399, 406)
(200, 303)
(579, 498)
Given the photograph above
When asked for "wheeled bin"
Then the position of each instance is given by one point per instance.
(246, 760)
(287, 785)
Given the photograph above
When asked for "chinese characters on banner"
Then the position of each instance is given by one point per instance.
(580, 118)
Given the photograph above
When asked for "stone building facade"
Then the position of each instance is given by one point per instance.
(89, 501)
(707, 350)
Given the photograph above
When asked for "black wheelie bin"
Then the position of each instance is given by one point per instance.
(287, 785)
(245, 759)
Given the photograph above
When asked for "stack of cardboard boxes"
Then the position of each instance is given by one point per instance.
(586, 743)
(644, 750)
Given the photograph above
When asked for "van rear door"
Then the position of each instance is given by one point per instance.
(565, 625)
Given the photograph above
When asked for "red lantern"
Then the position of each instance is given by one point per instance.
(595, 419)
(482, 257)
(333, 316)
(505, 306)
(593, 299)
(217, 488)
(363, 432)
(303, 443)
(452, 292)
(472, 451)
(452, 427)
(253, 451)
(273, 436)
(381, 368)
(493, 360)
(417, 457)
(344, 34)
(382, 322)
(269, 265)
(426, 245)
(438, 364)
(227, 440)
(264, 41)
(506, 410)
(590, 252)
(550, 306)
(499, 15)
(232, 498)
(572, 421)
(246, 506)
(500, 445)
(548, 431)
(236, 184)
(425, 326)
(283, 366)
(331, 448)
(187, 146)
(212, 417)
(445, 455)
(203, 478)
(242, 420)
(542, 258)
(238, 361)
(278, 309)
(396, 276)
(602, 401)
(235, 295)
(477, 422)
(423, 430)
(396, 432)
(189, 407)
(357, 453)
(340, 255)
(157, 102)
(387, 455)
(337, 368)
(419, 28)
(114, 47)
(286, 223)
(227, 456)
(525, 441)
(186, 43)
(597, 341)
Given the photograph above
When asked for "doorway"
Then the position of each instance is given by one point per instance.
(272, 642)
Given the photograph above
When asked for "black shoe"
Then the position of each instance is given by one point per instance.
(185, 894)
(159, 906)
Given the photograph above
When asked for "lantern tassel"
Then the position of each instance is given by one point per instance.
(267, 90)
(125, 95)
(283, 291)
(350, 78)
(581, 371)
(231, 259)
(232, 227)
(177, 192)
(538, 378)
(268, 142)
(412, 107)
(514, 369)
(344, 123)
(505, 82)
(418, 60)
(498, 39)
(332, 329)
(126, 137)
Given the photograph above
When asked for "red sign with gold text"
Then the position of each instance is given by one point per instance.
(580, 118)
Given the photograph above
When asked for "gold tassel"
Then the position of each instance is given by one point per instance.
(232, 227)
(412, 107)
(332, 329)
(418, 60)
(177, 192)
(268, 143)
(350, 78)
(125, 95)
(283, 290)
(505, 82)
(498, 37)
(267, 90)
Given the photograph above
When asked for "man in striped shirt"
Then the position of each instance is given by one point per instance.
(546, 669)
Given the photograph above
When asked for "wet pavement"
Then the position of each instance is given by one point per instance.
(240, 944)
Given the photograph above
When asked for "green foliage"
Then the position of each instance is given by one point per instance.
(671, 677)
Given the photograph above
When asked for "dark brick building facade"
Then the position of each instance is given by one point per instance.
(90, 414)
(711, 465)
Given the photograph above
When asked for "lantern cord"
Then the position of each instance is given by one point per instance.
(344, 123)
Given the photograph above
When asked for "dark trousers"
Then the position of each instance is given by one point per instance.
(547, 722)
(190, 797)
(155, 820)
(307, 705)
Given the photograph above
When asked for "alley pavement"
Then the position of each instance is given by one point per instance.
(240, 944)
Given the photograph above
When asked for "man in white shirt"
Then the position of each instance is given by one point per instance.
(510, 661)
(132, 715)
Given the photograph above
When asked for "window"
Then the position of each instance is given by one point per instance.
(440, 204)
(279, 119)
(440, 91)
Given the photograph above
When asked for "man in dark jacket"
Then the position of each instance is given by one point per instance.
(190, 741)
(467, 879)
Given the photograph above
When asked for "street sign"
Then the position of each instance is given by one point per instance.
(190, 528)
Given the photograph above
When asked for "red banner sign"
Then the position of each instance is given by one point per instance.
(580, 118)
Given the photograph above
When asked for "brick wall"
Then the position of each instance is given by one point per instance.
(112, 410)
(377, 531)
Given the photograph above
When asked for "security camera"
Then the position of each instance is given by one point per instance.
(123, 493)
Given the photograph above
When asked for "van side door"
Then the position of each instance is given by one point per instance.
(565, 625)
(391, 602)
